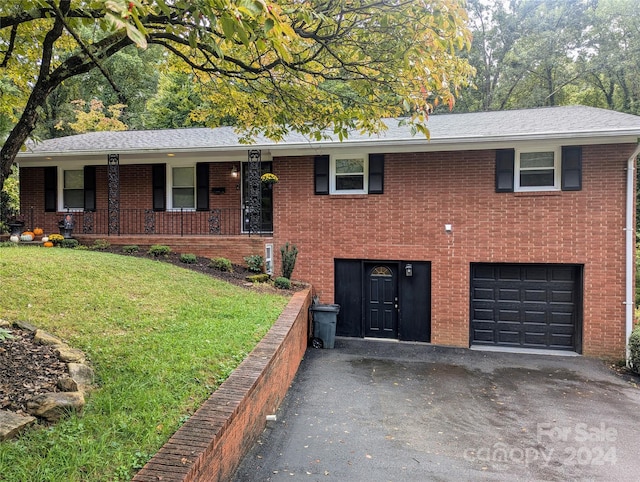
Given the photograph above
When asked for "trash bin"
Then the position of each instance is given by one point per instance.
(325, 318)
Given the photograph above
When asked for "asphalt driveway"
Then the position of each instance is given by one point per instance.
(388, 411)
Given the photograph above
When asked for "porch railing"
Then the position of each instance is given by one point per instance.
(214, 222)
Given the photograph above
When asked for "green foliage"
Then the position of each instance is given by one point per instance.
(100, 245)
(188, 258)
(8, 244)
(82, 247)
(289, 256)
(69, 243)
(130, 249)
(161, 340)
(634, 349)
(258, 278)
(158, 250)
(282, 283)
(221, 264)
(255, 262)
(5, 334)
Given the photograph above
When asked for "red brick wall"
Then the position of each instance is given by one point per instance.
(425, 191)
(211, 444)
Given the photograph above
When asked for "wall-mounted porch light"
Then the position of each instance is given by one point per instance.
(234, 171)
(408, 270)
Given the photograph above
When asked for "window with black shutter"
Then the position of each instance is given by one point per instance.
(321, 175)
(89, 188)
(50, 189)
(572, 168)
(376, 173)
(504, 170)
(159, 183)
(202, 183)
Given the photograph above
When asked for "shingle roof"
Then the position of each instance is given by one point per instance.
(527, 124)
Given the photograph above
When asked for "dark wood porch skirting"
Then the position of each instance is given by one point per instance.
(234, 248)
(211, 444)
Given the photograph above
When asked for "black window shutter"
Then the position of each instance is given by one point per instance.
(89, 188)
(376, 173)
(572, 168)
(202, 186)
(159, 181)
(504, 170)
(321, 174)
(51, 189)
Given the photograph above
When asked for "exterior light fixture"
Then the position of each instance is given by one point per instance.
(408, 270)
(234, 171)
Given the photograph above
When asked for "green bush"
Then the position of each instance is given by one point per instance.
(288, 259)
(82, 247)
(258, 278)
(8, 244)
(282, 283)
(69, 243)
(188, 258)
(634, 349)
(254, 263)
(100, 245)
(221, 264)
(158, 250)
(130, 249)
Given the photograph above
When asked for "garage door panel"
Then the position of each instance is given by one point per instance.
(533, 306)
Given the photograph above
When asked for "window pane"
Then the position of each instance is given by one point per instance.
(536, 178)
(532, 160)
(183, 176)
(74, 198)
(347, 183)
(74, 179)
(183, 198)
(345, 166)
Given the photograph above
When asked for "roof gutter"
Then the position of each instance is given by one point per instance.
(630, 247)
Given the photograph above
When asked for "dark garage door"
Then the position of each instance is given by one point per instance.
(530, 306)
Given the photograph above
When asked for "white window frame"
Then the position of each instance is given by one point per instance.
(170, 186)
(61, 206)
(556, 169)
(333, 174)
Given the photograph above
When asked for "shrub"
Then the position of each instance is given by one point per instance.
(634, 349)
(81, 247)
(8, 244)
(282, 283)
(188, 258)
(254, 263)
(100, 245)
(258, 278)
(68, 243)
(221, 264)
(130, 249)
(158, 250)
(288, 259)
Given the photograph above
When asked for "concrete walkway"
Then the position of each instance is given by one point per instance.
(387, 411)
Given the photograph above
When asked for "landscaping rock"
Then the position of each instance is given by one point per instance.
(26, 326)
(12, 423)
(68, 384)
(43, 338)
(53, 406)
(4, 323)
(82, 374)
(67, 354)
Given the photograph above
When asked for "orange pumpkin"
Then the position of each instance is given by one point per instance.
(48, 244)
(28, 233)
(38, 231)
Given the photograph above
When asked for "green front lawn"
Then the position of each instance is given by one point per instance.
(160, 339)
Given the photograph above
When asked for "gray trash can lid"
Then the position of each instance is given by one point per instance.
(330, 308)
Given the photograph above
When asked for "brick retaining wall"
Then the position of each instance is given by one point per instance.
(211, 444)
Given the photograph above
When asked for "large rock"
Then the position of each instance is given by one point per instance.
(67, 384)
(12, 423)
(55, 405)
(43, 338)
(5, 323)
(26, 326)
(82, 374)
(67, 354)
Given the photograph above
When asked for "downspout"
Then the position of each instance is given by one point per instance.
(630, 247)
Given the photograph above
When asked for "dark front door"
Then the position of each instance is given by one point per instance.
(381, 300)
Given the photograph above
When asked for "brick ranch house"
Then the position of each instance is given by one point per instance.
(509, 229)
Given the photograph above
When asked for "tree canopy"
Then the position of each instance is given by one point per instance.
(268, 64)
